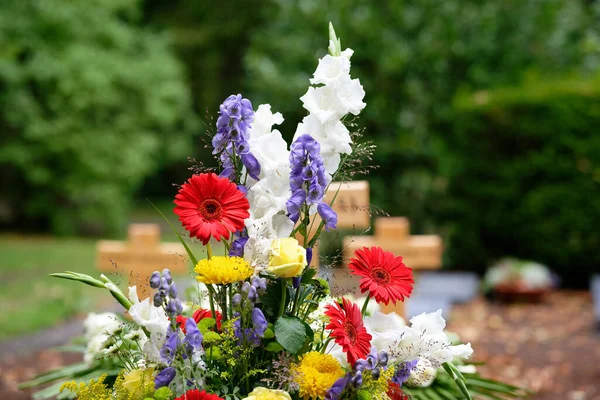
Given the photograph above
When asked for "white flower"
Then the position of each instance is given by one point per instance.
(261, 232)
(264, 120)
(384, 329)
(154, 319)
(94, 346)
(423, 374)
(96, 324)
(330, 69)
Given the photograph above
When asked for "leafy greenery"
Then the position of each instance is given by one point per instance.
(91, 103)
(524, 179)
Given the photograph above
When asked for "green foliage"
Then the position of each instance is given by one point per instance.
(91, 103)
(525, 177)
(411, 58)
(290, 332)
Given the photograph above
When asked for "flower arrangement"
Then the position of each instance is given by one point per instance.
(264, 325)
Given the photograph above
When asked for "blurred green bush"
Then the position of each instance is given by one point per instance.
(91, 103)
(524, 176)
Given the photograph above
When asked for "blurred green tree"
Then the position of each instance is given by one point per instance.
(91, 103)
(412, 57)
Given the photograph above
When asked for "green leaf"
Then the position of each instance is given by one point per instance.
(269, 334)
(66, 372)
(271, 300)
(274, 347)
(290, 332)
(308, 275)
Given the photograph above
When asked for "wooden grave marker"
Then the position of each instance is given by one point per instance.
(140, 255)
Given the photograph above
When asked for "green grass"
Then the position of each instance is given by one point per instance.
(32, 300)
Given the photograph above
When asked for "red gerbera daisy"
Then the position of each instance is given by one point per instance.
(198, 395)
(198, 316)
(384, 275)
(209, 205)
(348, 329)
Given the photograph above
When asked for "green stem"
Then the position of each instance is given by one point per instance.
(208, 250)
(283, 297)
(364, 307)
(296, 300)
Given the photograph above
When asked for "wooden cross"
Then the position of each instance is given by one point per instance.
(142, 254)
(351, 205)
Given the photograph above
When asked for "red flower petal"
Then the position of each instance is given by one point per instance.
(196, 394)
(384, 275)
(211, 206)
(348, 330)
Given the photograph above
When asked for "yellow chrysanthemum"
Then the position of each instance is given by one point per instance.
(222, 270)
(316, 373)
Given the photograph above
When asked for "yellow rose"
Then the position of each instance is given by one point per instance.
(261, 393)
(287, 258)
(132, 381)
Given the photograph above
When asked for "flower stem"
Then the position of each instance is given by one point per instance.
(364, 307)
(208, 250)
(283, 297)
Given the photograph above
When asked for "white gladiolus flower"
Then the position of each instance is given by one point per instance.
(331, 69)
(154, 319)
(384, 329)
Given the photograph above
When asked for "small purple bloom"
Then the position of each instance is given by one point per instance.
(164, 377)
(155, 280)
(260, 284)
(376, 373)
(294, 204)
(296, 280)
(328, 215)
(164, 285)
(242, 189)
(315, 193)
(335, 391)
(169, 348)
(402, 373)
(259, 322)
(171, 308)
(357, 380)
(251, 164)
(158, 299)
(167, 275)
(252, 295)
(236, 300)
(383, 358)
(309, 255)
(237, 247)
(193, 336)
(173, 291)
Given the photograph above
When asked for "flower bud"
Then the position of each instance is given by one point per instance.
(164, 285)
(357, 380)
(376, 373)
(260, 284)
(246, 287)
(158, 299)
(287, 258)
(236, 300)
(178, 306)
(252, 295)
(173, 291)
(155, 280)
(167, 275)
(383, 358)
(171, 308)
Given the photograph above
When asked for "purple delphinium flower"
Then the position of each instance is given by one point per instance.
(335, 391)
(233, 125)
(402, 373)
(170, 346)
(308, 180)
(328, 215)
(237, 246)
(164, 377)
(193, 336)
(259, 322)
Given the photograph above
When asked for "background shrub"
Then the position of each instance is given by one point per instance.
(90, 104)
(524, 178)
